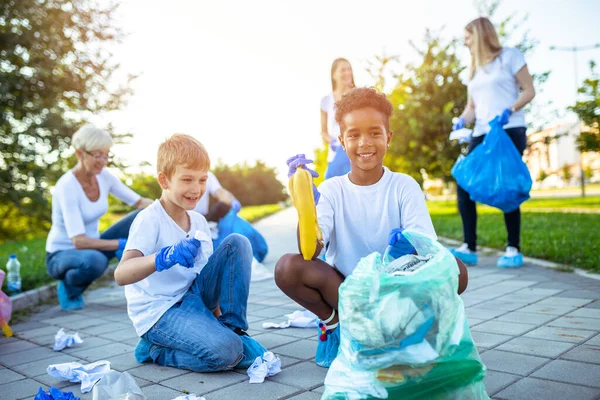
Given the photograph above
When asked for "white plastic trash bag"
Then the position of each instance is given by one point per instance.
(117, 386)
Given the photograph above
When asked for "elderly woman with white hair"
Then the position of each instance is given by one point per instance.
(76, 252)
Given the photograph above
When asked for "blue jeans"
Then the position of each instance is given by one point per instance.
(468, 210)
(188, 335)
(79, 268)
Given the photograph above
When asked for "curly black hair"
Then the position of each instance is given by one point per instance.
(364, 97)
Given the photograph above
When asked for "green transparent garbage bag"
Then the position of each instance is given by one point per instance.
(405, 335)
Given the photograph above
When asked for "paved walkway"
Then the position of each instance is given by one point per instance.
(537, 331)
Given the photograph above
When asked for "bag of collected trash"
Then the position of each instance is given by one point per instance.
(117, 386)
(54, 394)
(233, 223)
(404, 334)
(494, 172)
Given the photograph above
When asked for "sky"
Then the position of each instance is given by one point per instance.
(246, 77)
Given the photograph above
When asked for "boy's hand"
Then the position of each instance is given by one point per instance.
(299, 161)
(400, 245)
(183, 253)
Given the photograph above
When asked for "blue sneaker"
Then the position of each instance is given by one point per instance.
(251, 350)
(465, 255)
(512, 258)
(67, 303)
(142, 351)
(327, 346)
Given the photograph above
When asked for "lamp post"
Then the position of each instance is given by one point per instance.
(574, 49)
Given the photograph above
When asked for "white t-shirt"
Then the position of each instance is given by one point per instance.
(495, 88)
(356, 220)
(150, 298)
(212, 185)
(328, 106)
(73, 213)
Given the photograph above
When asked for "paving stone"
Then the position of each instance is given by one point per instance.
(483, 313)
(526, 318)
(275, 313)
(301, 333)
(47, 332)
(302, 349)
(595, 341)
(272, 340)
(513, 363)
(586, 313)
(26, 326)
(6, 376)
(594, 304)
(105, 328)
(474, 321)
(265, 391)
(120, 335)
(102, 352)
(4, 339)
(200, 383)
(591, 324)
(487, 340)
(160, 392)
(65, 320)
(89, 342)
(565, 302)
(585, 353)
(503, 327)
(25, 388)
(255, 318)
(156, 373)
(119, 316)
(320, 389)
(535, 347)
(36, 368)
(85, 323)
(535, 389)
(495, 381)
(571, 372)
(561, 334)
(581, 294)
(16, 346)
(547, 309)
(123, 362)
(22, 357)
(306, 396)
(53, 382)
(305, 375)
(502, 304)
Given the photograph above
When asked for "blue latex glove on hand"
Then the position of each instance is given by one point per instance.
(183, 253)
(505, 116)
(399, 244)
(119, 251)
(236, 206)
(300, 161)
(458, 123)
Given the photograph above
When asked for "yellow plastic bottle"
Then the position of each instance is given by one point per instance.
(300, 186)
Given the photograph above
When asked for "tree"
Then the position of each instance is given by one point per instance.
(56, 72)
(588, 111)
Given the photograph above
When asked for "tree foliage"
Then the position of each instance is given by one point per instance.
(588, 111)
(55, 72)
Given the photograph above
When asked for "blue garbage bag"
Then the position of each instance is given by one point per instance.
(340, 165)
(494, 172)
(54, 394)
(233, 223)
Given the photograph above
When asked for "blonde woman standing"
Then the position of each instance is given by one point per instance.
(342, 80)
(499, 85)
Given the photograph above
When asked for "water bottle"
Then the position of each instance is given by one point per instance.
(13, 278)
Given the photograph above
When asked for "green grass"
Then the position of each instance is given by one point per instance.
(566, 238)
(32, 253)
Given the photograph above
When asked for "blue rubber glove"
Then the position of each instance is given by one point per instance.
(119, 251)
(399, 244)
(505, 116)
(458, 123)
(183, 253)
(300, 161)
(236, 206)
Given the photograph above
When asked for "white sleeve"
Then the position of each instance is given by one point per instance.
(325, 218)
(71, 211)
(143, 234)
(413, 210)
(516, 60)
(120, 190)
(325, 104)
(212, 184)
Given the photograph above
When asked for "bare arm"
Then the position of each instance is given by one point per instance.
(324, 134)
(527, 90)
(134, 267)
(469, 114)
(224, 196)
(84, 242)
(143, 203)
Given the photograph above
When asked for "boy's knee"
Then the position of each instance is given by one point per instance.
(240, 242)
(228, 353)
(286, 270)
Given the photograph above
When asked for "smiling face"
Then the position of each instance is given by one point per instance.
(342, 75)
(365, 139)
(185, 187)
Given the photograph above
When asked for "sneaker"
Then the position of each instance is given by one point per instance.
(464, 254)
(250, 350)
(327, 346)
(142, 351)
(511, 259)
(67, 303)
